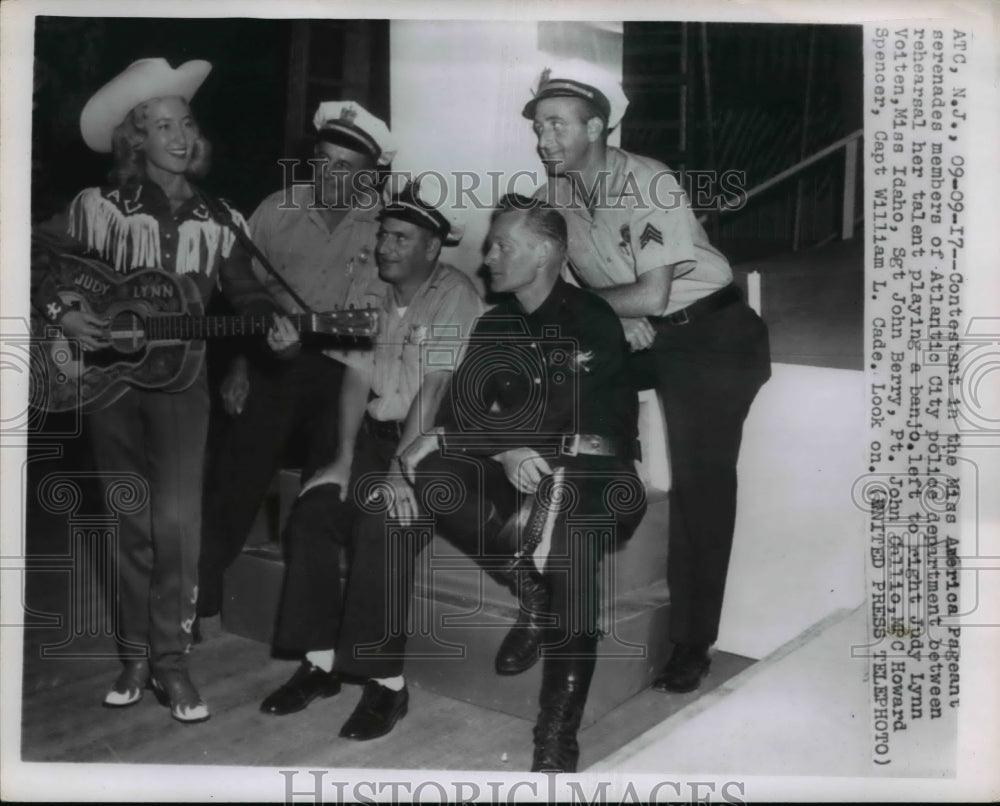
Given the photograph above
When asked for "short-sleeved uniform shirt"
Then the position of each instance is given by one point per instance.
(322, 265)
(640, 219)
(428, 336)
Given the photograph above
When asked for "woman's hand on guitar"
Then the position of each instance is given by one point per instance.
(235, 386)
(283, 338)
(91, 331)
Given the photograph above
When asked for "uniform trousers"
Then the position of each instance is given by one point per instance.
(288, 400)
(309, 615)
(160, 436)
(468, 499)
(707, 373)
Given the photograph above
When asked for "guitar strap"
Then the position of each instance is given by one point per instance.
(223, 216)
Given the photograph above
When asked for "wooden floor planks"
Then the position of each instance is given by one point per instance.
(63, 720)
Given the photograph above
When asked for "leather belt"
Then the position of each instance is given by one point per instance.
(383, 429)
(715, 301)
(595, 445)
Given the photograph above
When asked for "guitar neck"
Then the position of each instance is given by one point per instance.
(184, 327)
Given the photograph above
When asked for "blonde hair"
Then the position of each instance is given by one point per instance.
(129, 158)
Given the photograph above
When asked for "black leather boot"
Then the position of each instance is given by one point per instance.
(519, 649)
(565, 683)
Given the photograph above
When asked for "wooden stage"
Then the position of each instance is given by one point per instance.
(63, 721)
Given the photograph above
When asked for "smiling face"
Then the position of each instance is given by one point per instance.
(171, 132)
(567, 134)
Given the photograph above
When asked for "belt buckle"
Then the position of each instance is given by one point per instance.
(570, 444)
(680, 317)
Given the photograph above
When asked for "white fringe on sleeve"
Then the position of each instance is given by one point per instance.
(132, 242)
(99, 224)
(191, 235)
(217, 239)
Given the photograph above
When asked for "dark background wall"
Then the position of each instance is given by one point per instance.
(750, 98)
(753, 96)
(256, 105)
(738, 93)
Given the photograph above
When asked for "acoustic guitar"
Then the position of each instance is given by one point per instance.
(156, 335)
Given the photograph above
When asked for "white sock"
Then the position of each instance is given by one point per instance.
(393, 683)
(321, 658)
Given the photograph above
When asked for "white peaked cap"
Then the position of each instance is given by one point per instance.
(350, 120)
(576, 78)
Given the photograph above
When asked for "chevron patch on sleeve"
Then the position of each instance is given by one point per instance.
(650, 233)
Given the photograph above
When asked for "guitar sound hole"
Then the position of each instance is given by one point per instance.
(128, 334)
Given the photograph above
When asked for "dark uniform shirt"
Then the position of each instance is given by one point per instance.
(527, 379)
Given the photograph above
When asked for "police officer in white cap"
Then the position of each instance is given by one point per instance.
(634, 240)
(320, 236)
(391, 394)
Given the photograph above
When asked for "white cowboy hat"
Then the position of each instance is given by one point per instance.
(140, 81)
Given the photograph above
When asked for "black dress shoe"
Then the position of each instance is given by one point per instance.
(377, 712)
(307, 684)
(519, 649)
(685, 670)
